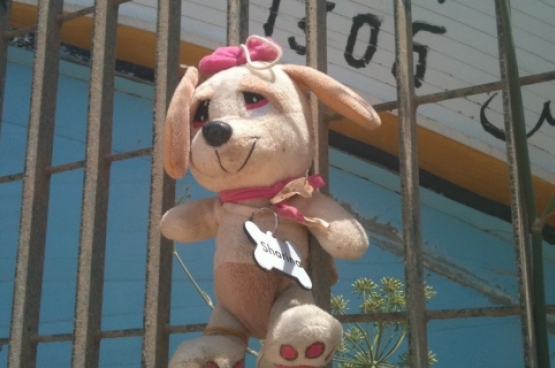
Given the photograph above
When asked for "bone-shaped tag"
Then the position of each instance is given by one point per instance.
(274, 253)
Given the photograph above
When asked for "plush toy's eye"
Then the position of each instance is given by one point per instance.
(256, 103)
(201, 115)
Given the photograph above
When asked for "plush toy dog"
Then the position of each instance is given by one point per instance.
(247, 134)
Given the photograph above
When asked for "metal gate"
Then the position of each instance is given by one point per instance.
(24, 336)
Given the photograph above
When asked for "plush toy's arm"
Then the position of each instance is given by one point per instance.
(345, 238)
(192, 221)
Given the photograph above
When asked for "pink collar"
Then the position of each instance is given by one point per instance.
(237, 195)
(278, 194)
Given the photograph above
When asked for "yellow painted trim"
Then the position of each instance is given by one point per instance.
(439, 155)
(133, 45)
(448, 159)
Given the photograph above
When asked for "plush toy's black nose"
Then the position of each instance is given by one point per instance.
(216, 132)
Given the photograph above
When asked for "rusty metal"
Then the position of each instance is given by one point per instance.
(61, 19)
(80, 164)
(65, 167)
(155, 348)
(36, 190)
(316, 57)
(539, 307)
(90, 278)
(408, 158)
(237, 21)
(523, 206)
(482, 88)
(457, 93)
(13, 177)
(52, 338)
(5, 14)
(187, 328)
(33, 27)
(473, 312)
(442, 314)
(129, 154)
(467, 91)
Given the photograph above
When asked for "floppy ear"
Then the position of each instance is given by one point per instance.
(176, 129)
(335, 95)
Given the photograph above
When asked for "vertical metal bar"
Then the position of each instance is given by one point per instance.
(36, 189)
(162, 193)
(539, 306)
(5, 14)
(408, 155)
(237, 21)
(523, 206)
(90, 277)
(316, 57)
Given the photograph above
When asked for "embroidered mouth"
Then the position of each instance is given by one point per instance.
(244, 162)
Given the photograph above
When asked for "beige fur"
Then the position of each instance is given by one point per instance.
(266, 146)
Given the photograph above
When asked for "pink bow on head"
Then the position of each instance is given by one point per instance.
(228, 57)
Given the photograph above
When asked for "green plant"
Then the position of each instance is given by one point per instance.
(374, 344)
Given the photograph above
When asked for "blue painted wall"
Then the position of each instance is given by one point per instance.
(469, 256)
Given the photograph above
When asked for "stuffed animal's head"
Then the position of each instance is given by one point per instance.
(249, 125)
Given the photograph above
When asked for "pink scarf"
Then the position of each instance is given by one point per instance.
(278, 194)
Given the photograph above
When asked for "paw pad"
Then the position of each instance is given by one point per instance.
(211, 364)
(288, 352)
(240, 364)
(315, 350)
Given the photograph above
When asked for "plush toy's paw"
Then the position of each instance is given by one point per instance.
(303, 336)
(210, 352)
